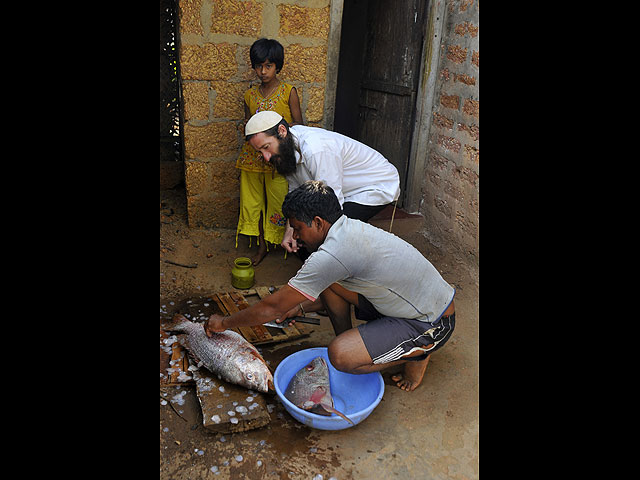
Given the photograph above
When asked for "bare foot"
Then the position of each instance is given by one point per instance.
(412, 375)
(262, 252)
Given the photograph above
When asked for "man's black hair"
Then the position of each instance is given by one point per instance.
(266, 49)
(312, 198)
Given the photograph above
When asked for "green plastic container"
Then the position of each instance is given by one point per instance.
(242, 274)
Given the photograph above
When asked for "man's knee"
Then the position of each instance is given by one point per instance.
(346, 295)
(338, 356)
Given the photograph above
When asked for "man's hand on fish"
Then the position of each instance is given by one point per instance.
(214, 325)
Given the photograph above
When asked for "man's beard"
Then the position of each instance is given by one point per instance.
(285, 161)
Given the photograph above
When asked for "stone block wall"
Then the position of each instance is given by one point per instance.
(216, 71)
(451, 181)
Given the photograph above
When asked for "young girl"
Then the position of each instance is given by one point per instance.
(262, 189)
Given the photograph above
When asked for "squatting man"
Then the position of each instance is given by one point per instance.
(407, 306)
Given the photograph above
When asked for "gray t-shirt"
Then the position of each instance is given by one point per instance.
(389, 272)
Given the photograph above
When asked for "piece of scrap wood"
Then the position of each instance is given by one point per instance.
(180, 366)
(234, 303)
(177, 363)
(191, 265)
(291, 332)
(217, 399)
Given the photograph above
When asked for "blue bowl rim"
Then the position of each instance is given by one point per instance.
(332, 418)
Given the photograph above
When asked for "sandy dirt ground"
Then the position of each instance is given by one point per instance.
(430, 433)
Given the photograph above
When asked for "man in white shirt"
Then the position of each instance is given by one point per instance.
(407, 305)
(364, 181)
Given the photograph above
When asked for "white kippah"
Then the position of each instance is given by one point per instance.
(262, 121)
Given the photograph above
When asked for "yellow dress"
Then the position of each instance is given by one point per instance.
(258, 177)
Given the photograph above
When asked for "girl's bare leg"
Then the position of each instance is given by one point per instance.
(262, 246)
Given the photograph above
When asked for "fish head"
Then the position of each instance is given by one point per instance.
(315, 372)
(256, 372)
(260, 380)
(310, 385)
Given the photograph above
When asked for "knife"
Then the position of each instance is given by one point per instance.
(287, 322)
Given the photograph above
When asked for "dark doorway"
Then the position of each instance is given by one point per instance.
(378, 75)
(170, 97)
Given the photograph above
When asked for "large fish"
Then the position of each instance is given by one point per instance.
(309, 389)
(227, 354)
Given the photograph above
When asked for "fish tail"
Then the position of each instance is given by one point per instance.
(330, 409)
(178, 324)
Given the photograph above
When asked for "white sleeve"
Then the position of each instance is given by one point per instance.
(327, 166)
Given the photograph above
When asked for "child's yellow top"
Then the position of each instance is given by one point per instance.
(250, 159)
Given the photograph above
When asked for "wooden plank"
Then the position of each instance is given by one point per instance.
(228, 302)
(176, 361)
(180, 364)
(260, 332)
(262, 292)
(287, 333)
(231, 307)
(217, 399)
(282, 335)
(234, 302)
(220, 304)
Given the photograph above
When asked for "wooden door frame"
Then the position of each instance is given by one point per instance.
(333, 59)
(424, 106)
(425, 95)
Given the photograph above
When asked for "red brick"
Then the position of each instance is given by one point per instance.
(456, 54)
(465, 174)
(449, 143)
(471, 107)
(475, 58)
(473, 130)
(439, 163)
(466, 27)
(464, 4)
(450, 101)
(442, 121)
(472, 154)
(466, 79)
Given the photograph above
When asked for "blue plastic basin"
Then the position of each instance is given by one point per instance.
(354, 395)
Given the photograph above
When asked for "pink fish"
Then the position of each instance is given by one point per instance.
(309, 389)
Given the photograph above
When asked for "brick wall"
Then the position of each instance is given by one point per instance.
(216, 70)
(451, 180)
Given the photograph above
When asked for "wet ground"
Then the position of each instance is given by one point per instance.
(430, 433)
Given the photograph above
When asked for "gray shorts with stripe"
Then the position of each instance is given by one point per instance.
(388, 339)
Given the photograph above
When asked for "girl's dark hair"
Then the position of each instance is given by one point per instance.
(266, 49)
(312, 198)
